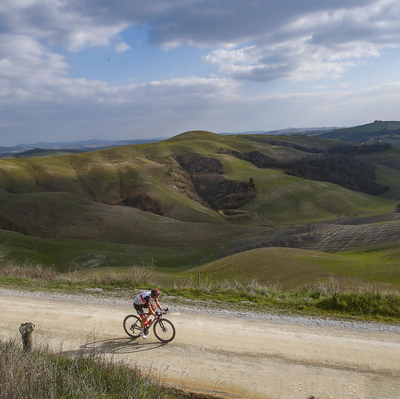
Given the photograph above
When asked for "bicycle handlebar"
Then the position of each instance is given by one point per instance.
(161, 312)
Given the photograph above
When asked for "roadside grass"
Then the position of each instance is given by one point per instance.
(46, 374)
(335, 298)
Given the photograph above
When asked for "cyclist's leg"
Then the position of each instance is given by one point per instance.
(142, 315)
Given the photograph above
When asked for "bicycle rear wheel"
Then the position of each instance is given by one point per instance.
(132, 325)
(164, 330)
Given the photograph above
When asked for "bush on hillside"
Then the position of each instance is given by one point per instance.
(195, 163)
(221, 193)
(211, 186)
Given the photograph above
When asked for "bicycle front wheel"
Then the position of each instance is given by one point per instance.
(132, 325)
(164, 330)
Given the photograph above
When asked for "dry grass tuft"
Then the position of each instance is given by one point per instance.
(137, 275)
(45, 374)
(35, 272)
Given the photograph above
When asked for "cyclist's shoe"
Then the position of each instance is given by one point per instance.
(142, 335)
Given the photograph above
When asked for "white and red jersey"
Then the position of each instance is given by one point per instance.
(143, 298)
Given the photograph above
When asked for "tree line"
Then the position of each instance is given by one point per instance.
(337, 165)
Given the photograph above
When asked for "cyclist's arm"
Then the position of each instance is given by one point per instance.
(151, 308)
(158, 304)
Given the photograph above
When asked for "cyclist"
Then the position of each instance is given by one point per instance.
(143, 301)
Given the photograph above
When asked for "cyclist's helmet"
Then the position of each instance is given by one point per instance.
(155, 292)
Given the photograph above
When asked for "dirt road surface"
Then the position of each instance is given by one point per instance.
(231, 356)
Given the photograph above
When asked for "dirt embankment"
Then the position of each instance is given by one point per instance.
(234, 356)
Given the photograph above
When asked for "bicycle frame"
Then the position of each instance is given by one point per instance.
(163, 329)
(158, 316)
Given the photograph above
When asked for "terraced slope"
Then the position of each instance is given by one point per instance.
(344, 238)
(339, 235)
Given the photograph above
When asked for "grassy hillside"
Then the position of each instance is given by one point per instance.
(292, 269)
(389, 158)
(123, 205)
(70, 255)
(149, 177)
(384, 130)
(67, 216)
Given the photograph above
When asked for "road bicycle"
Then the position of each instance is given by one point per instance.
(163, 329)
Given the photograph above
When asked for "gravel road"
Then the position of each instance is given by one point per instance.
(241, 355)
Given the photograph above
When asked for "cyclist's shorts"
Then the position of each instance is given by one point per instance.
(139, 309)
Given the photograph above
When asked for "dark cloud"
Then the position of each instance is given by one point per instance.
(294, 31)
(199, 22)
(255, 40)
(212, 23)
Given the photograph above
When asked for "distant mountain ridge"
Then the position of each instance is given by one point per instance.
(81, 146)
(288, 131)
(385, 131)
(88, 143)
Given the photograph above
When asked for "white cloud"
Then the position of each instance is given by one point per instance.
(121, 47)
(56, 23)
(314, 45)
(309, 39)
(71, 108)
(78, 108)
(345, 85)
(257, 41)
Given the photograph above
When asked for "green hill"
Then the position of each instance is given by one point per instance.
(182, 202)
(294, 269)
(387, 131)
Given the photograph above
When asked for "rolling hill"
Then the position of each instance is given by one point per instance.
(387, 131)
(293, 269)
(188, 200)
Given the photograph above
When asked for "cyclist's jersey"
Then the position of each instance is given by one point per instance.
(143, 298)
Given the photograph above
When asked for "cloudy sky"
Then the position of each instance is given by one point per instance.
(124, 69)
